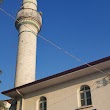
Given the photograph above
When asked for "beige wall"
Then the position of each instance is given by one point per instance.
(65, 96)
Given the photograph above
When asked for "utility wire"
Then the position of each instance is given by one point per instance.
(74, 94)
(60, 47)
(7, 13)
(66, 52)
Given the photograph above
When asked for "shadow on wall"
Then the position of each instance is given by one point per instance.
(104, 82)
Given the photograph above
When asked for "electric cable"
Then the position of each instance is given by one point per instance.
(66, 52)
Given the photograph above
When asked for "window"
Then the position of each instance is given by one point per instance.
(85, 95)
(43, 103)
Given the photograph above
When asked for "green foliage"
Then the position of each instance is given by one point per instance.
(0, 71)
(1, 1)
(2, 105)
(0, 74)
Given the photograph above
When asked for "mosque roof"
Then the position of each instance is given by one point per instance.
(64, 76)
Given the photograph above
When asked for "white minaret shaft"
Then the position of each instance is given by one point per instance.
(28, 24)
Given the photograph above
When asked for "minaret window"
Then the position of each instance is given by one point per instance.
(85, 95)
(43, 103)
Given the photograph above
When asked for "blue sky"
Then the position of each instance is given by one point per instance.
(82, 27)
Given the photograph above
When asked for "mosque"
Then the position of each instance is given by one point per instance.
(86, 87)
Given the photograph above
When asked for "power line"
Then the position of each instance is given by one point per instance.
(76, 94)
(66, 52)
(7, 13)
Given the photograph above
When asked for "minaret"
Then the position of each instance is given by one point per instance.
(28, 23)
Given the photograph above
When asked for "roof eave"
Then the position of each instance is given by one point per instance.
(105, 62)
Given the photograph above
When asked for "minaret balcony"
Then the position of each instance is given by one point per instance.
(28, 14)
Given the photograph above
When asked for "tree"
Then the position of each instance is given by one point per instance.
(1, 1)
(0, 74)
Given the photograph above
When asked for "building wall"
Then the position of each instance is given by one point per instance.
(65, 96)
(6, 105)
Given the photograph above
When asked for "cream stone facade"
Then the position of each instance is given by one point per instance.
(62, 91)
(65, 96)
